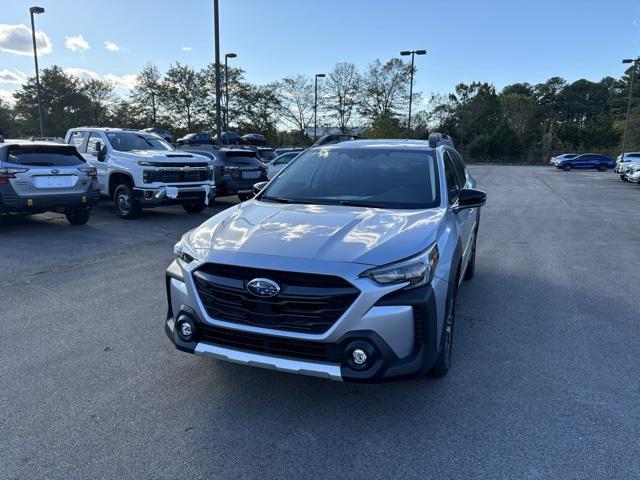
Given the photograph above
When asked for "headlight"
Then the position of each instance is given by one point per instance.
(184, 249)
(416, 270)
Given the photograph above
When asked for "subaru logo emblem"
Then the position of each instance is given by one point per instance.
(263, 287)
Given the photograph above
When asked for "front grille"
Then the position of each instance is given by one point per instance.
(278, 346)
(176, 176)
(308, 303)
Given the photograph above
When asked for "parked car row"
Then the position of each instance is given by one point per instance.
(626, 166)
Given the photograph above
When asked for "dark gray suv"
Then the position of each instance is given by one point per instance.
(36, 177)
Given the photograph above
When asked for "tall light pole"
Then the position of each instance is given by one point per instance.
(216, 25)
(315, 107)
(635, 62)
(37, 10)
(226, 89)
(413, 54)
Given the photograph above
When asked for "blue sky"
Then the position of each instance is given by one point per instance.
(496, 41)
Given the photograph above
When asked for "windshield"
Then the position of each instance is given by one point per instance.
(268, 154)
(369, 177)
(126, 141)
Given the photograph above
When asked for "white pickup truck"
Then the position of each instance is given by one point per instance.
(139, 169)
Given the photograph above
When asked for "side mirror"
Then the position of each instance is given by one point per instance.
(257, 187)
(102, 152)
(470, 198)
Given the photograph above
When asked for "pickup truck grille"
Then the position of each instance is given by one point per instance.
(176, 176)
(307, 303)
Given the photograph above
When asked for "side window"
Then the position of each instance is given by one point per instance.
(451, 178)
(77, 138)
(458, 165)
(94, 138)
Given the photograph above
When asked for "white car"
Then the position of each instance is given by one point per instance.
(274, 167)
(139, 169)
(623, 164)
(633, 173)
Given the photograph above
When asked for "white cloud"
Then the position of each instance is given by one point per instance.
(127, 81)
(12, 76)
(76, 43)
(112, 47)
(7, 96)
(185, 49)
(82, 73)
(122, 81)
(17, 39)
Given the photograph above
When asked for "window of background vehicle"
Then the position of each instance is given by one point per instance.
(77, 139)
(44, 156)
(127, 141)
(94, 138)
(383, 178)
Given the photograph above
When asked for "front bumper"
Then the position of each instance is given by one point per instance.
(175, 195)
(10, 202)
(400, 327)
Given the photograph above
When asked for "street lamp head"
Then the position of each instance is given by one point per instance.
(36, 10)
(320, 75)
(421, 52)
(404, 53)
(230, 55)
(627, 60)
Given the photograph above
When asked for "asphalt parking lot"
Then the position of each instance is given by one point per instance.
(544, 382)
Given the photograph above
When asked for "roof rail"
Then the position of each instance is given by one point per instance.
(436, 139)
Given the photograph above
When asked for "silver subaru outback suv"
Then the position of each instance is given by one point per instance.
(346, 265)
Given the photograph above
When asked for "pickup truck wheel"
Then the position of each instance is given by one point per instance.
(126, 205)
(78, 217)
(443, 363)
(194, 207)
(623, 178)
(566, 168)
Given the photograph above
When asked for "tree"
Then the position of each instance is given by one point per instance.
(7, 125)
(182, 93)
(296, 100)
(63, 103)
(257, 107)
(341, 94)
(147, 92)
(385, 89)
(384, 126)
(99, 98)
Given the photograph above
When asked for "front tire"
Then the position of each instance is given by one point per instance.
(623, 178)
(566, 168)
(78, 217)
(443, 363)
(194, 207)
(126, 205)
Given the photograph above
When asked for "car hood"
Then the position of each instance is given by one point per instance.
(321, 232)
(160, 156)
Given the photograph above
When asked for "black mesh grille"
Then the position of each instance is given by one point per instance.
(176, 176)
(277, 346)
(308, 303)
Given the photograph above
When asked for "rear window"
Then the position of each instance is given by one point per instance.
(241, 159)
(268, 154)
(44, 156)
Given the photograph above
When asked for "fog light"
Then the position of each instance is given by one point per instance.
(359, 356)
(186, 331)
(185, 328)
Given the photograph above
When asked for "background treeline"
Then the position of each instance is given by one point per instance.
(521, 123)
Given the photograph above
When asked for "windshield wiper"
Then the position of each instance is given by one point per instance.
(357, 203)
(286, 200)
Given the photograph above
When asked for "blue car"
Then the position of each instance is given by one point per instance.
(587, 160)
